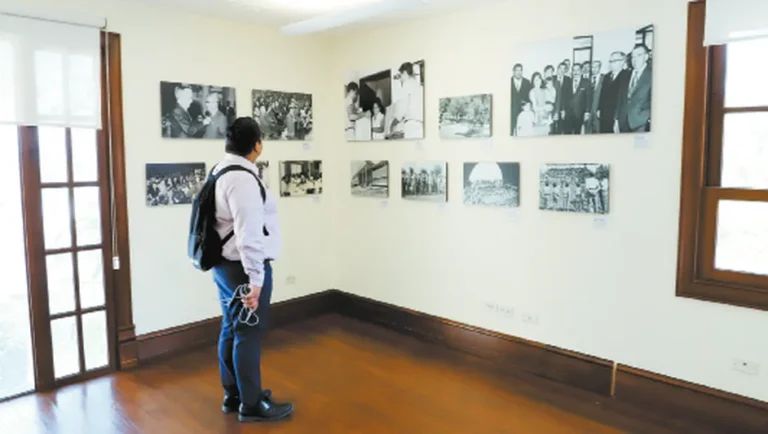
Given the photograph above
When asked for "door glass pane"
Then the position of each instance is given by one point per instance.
(84, 155)
(745, 150)
(742, 237)
(53, 154)
(95, 340)
(66, 353)
(56, 225)
(16, 364)
(87, 216)
(90, 270)
(745, 84)
(61, 283)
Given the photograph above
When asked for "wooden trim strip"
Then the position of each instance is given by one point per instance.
(757, 109)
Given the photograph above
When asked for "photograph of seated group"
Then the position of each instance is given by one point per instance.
(386, 104)
(593, 84)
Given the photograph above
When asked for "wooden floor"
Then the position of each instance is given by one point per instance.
(343, 376)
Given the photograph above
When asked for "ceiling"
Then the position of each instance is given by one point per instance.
(283, 12)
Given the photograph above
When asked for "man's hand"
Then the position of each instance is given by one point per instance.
(251, 300)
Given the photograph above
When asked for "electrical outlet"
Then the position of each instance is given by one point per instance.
(530, 319)
(290, 280)
(746, 367)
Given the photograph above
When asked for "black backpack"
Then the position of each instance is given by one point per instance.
(204, 244)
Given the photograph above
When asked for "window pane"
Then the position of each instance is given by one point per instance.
(745, 150)
(15, 330)
(56, 225)
(87, 216)
(90, 271)
(53, 154)
(61, 283)
(84, 155)
(742, 237)
(745, 83)
(66, 353)
(95, 340)
(7, 86)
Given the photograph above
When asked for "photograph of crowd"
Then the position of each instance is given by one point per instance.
(262, 168)
(301, 178)
(594, 84)
(465, 116)
(575, 188)
(493, 184)
(370, 179)
(283, 115)
(386, 104)
(173, 184)
(426, 181)
(196, 111)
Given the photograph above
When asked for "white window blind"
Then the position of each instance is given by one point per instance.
(735, 20)
(50, 73)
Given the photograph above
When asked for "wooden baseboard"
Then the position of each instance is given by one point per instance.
(508, 353)
(176, 340)
(127, 347)
(674, 401)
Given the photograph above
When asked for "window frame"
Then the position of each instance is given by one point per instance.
(700, 190)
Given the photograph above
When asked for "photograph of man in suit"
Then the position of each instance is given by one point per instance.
(563, 87)
(521, 88)
(610, 92)
(578, 107)
(634, 109)
(593, 126)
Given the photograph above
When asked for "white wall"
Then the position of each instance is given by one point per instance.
(165, 44)
(607, 292)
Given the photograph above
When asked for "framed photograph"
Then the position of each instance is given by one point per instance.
(386, 104)
(370, 179)
(262, 167)
(465, 116)
(425, 181)
(196, 111)
(301, 178)
(283, 115)
(493, 184)
(582, 188)
(588, 84)
(173, 183)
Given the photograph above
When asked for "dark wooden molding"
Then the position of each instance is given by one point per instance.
(127, 347)
(678, 401)
(508, 353)
(176, 340)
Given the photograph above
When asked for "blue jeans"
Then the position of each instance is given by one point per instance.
(239, 343)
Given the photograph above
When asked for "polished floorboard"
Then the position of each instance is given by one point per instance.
(343, 376)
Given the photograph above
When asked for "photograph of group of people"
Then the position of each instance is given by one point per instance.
(301, 178)
(196, 111)
(426, 181)
(580, 188)
(465, 116)
(174, 183)
(283, 115)
(385, 105)
(492, 184)
(594, 84)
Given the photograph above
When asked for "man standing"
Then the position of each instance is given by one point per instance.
(593, 126)
(613, 82)
(217, 121)
(634, 111)
(521, 89)
(578, 107)
(246, 221)
(564, 92)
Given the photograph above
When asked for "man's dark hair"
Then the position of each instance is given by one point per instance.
(242, 136)
(518, 65)
(406, 67)
(352, 86)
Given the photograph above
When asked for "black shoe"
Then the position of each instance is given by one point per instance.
(265, 410)
(231, 404)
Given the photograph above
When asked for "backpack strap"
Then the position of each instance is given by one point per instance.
(263, 191)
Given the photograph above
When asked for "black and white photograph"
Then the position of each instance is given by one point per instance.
(589, 84)
(387, 104)
(370, 179)
(465, 116)
(492, 184)
(262, 168)
(174, 183)
(301, 178)
(196, 111)
(581, 188)
(283, 115)
(425, 181)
